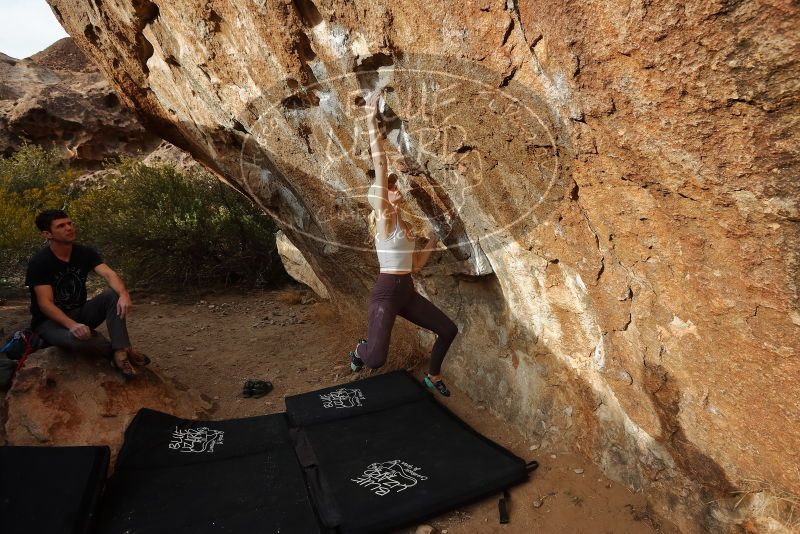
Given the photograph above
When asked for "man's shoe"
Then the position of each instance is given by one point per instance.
(438, 385)
(120, 362)
(137, 358)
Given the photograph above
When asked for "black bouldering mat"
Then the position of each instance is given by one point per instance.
(364, 396)
(365, 457)
(394, 458)
(50, 489)
(174, 475)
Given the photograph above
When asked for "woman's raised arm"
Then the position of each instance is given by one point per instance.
(378, 195)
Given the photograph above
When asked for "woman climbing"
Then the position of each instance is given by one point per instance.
(394, 292)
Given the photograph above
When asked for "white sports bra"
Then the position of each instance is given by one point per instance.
(395, 253)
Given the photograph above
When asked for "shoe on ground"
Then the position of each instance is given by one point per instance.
(261, 388)
(256, 388)
(438, 385)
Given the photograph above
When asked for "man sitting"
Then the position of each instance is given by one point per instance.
(62, 316)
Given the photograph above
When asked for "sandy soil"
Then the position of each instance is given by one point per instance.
(214, 341)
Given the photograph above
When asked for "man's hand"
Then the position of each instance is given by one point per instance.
(123, 305)
(80, 331)
(115, 282)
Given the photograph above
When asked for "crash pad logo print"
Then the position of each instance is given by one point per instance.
(342, 398)
(201, 439)
(394, 476)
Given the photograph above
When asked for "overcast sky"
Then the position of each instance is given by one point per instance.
(26, 27)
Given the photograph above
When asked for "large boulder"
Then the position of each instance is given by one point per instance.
(57, 98)
(614, 185)
(296, 265)
(168, 154)
(60, 399)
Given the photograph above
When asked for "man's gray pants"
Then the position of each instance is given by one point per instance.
(101, 308)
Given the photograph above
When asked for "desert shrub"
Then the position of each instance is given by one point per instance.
(31, 168)
(157, 226)
(161, 227)
(31, 180)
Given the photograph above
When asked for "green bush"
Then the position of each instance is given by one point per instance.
(31, 180)
(155, 225)
(162, 227)
(31, 168)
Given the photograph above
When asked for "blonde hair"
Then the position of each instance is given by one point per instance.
(373, 218)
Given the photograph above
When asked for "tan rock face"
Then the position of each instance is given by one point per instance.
(615, 186)
(60, 399)
(297, 267)
(57, 98)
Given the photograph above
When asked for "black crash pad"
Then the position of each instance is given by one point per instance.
(365, 457)
(50, 489)
(359, 397)
(395, 458)
(179, 476)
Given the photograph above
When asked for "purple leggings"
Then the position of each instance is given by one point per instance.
(394, 295)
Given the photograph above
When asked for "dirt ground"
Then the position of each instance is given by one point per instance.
(214, 341)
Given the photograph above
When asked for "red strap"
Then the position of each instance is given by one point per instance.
(28, 350)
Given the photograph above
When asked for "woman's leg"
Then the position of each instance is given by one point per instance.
(383, 305)
(424, 313)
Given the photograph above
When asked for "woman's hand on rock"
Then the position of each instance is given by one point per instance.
(372, 101)
(431, 236)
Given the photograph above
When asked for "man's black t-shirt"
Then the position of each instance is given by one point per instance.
(68, 279)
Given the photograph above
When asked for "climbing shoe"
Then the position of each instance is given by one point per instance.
(438, 385)
(356, 363)
(261, 388)
(256, 388)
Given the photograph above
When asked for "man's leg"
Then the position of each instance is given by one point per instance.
(58, 336)
(101, 308)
